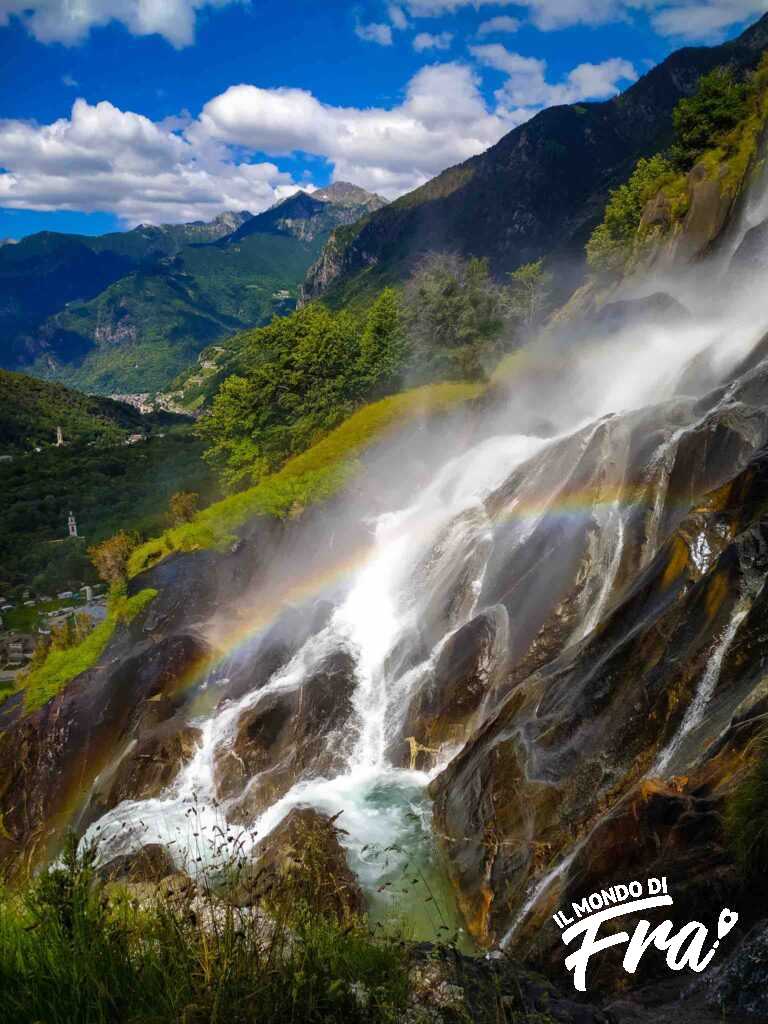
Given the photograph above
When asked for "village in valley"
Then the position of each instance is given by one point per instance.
(26, 624)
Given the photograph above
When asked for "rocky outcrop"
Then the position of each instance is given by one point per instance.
(287, 735)
(551, 787)
(301, 864)
(151, 863)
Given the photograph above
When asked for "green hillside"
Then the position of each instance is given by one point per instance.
(30, 411)
(128, 311)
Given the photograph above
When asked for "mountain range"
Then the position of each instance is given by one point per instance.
(127, 311)
(539, 191)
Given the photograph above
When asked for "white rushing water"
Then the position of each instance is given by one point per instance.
(441, 543)
(696, 710)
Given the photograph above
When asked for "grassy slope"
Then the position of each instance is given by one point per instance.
(309, 477)
(60, 667)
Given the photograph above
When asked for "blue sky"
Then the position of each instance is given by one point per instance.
(121, 111)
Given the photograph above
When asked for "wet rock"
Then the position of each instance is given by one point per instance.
(571, 740)
(151, 863)
(275, 648)
(301, 861)
(442, 710)
(287, 735)
(742, 984)
(657, 831)
(53, 756)
(150, 766)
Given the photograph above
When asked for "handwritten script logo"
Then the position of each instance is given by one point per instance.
(686, 947)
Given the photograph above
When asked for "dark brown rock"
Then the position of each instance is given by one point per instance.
(301, 861)
(285, 735)
(151, 863)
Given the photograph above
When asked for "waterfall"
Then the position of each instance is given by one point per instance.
(422, 579)
(696, 710)
(537, 891)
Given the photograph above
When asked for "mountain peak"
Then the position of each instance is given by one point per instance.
(344, 193)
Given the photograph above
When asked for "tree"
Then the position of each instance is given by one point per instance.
(611, 243)
(454, 317)
(299, 377)
(110, 558)
(383, 346)
(717, 106)
(182, 507)
(528, 292)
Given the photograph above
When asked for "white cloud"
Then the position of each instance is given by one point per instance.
(375, 33)
(427, 41)
(437, 8)
(555, 14)
(185, 168)
(103, 158)
(707, 21)
(693, 20)
(69, 81)
(502, 23)
(527, 86)
(397, 16)
(70, 21)
(442, 121)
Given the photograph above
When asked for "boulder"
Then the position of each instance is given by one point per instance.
(301, 861)
(442, 711)
(284, 736)
(150, 863)
(151, 765)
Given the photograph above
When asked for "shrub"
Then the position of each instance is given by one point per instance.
(717, 106)
(611, 243)
(454, 318)
(110, 558)
(182, 507)
(747, 821)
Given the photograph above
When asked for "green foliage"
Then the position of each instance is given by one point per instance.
(610, 245)
(162, 317)
(299, 378)
(528, 292)
(75, 950)
(109, 488)
(310, 477)
(719, 128)
(454, 318)
(747, 822)
(717, 106)
(42, 682)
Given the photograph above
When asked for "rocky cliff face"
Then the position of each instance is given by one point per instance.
(538, 192)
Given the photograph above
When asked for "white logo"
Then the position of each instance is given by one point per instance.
(684, 948)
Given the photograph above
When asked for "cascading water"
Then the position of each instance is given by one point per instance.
(421, 581)
(672, 758)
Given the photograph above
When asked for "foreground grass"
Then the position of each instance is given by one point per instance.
(42, 683)
(70, 952)
(307, 478)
